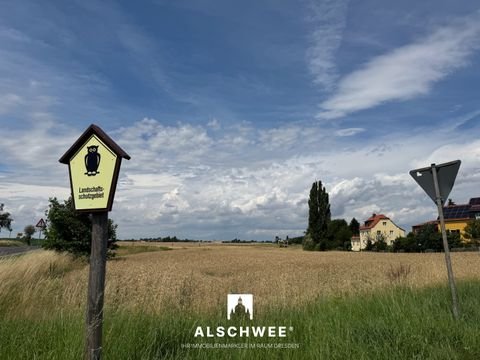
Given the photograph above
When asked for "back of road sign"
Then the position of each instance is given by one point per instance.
(446, 174)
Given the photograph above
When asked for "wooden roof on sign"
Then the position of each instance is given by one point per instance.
(93, 130)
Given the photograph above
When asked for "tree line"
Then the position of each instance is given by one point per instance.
(429, 239)
(323, 233)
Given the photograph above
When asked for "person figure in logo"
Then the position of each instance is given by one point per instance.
(92, 160)
(240, 313)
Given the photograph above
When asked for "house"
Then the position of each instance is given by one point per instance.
(456, 217)
(375, 227)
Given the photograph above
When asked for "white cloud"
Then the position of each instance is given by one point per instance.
(406, 72)
(280, 137)
(27, 203)
(328, 18)
(349, 131)
(182, 182)
(469, 153)
(214, 124)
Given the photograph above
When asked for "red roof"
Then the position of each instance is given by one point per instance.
(373, 220)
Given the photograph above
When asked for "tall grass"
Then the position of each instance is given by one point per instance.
(398, 323)
(42, 297)
(34, 281)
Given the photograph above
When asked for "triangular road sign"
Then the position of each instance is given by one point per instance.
(41, 224)
(446, 174)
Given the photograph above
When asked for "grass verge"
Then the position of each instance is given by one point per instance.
(11, 243)
(394, 323)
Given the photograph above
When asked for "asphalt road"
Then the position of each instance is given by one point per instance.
(11, 250)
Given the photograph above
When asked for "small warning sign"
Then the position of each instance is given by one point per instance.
(41, 224)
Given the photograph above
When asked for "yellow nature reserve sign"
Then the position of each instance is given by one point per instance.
(92, 169)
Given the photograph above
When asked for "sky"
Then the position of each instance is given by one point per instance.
(231, 110)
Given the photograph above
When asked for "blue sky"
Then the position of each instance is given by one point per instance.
(230, 110)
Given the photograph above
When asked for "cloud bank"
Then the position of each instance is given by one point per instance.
(190, 181)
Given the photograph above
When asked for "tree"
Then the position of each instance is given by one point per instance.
(380, 244)
(376, 242)
(339, 234)
(472, 231)
(369, 245)
(428, 238)
(71, 231)
(5, 219)
(29, 230)
(296, 240)
(354, 227)
(318, 216)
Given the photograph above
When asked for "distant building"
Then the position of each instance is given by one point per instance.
(375, 227)
(355, 240)
(456, 217)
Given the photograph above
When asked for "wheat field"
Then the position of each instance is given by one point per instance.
(196, 278)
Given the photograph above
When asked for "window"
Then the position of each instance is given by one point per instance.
(384, 223)
(378, 232)
(391, 232)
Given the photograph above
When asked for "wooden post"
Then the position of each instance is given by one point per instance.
(96, 286)
(451, 279)
(93, 165)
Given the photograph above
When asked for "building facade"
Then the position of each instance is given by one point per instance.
(456, 217)
(376, 227)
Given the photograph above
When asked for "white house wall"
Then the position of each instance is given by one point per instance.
(385, 227)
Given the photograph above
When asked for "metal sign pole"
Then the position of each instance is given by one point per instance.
(96, 286)
(451, 279)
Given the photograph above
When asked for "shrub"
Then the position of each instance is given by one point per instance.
(308, 243)
(428, 239)
(71, 231)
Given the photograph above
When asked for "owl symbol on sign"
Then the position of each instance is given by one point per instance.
(92, 160)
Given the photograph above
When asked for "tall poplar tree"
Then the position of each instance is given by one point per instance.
(318, 215)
